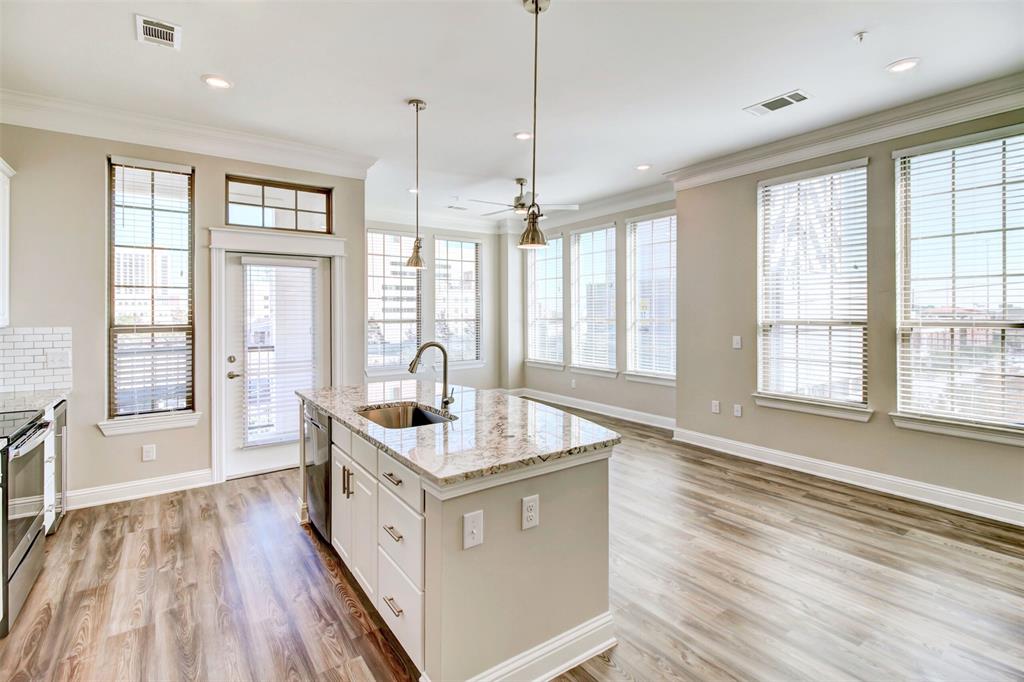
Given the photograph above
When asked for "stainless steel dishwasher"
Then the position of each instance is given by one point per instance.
(317, 427)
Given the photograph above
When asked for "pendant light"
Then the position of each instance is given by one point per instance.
(532, 237)
(415, 260)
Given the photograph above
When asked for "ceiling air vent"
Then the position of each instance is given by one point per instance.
(776, 103)
(157, 32)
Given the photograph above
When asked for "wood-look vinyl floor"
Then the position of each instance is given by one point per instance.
(721, 569)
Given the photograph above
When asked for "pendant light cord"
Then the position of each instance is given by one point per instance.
(536, 42)
(417, 107)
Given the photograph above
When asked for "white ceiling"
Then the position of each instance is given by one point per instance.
(621, 82)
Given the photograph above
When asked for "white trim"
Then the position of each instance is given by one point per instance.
(149, 422)
(284, 262)
(473, 485)
(622, 202)
(960, 500)
(77, 118)
(645, 217)
(553, 657)
(5, 168)
(825, 409)
(265, 470)
(963, 140)
(594, 371)
(950, 427)
(395, 372)
(814, 172)
(655, 420)
(655, 379)
(544, 364)
(131, 490)
(462, 364)
(262, 240)
(151, 165)
(428, 219)
(985, 99)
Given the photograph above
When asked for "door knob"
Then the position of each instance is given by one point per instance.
(234, 375)
(231, 358)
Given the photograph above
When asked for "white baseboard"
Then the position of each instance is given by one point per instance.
(590, 406)
(960, 500)
(119, 492)
(560, 653)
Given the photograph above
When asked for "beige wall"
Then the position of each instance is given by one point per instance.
(485, 374)
(58, 278)
(616, 391)
(717, 299)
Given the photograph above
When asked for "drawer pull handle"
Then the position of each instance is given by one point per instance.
(391, 477)
(391, 605)
(395, 535)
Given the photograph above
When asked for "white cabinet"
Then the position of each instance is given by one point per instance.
(341, 505)
(354, 518)
(5, 243)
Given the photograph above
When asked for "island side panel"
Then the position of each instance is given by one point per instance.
(519, 588)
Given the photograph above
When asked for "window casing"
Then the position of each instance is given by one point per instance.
(651, 296)
(545, 324)
(960, 236)
(151, 319)
(252, 202)
(457, 301)
(593, 299)
(812, 285)
(393, 304)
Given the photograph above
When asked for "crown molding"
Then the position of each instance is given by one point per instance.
(605, 206)
(432, 220)
(977, 101)
(77, 118)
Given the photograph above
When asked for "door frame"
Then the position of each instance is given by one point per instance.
(263, 242)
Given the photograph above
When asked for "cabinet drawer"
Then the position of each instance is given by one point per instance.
(364, 453)
(399, 479)
(401, 606)
(341, 436)
(400, 534)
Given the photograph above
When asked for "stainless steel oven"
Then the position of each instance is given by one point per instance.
(23, 490)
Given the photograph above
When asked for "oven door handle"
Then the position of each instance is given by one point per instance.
(31, 442)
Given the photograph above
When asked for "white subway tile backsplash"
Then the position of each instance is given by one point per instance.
(23, 358)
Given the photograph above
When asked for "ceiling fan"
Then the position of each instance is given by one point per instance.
(522, 201)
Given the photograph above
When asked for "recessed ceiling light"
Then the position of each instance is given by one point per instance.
(524, 136)
(643, 167)
(413, 190)
(218, 82)
(902, 65)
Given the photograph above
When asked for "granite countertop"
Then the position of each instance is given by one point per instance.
(20, 401)
(494, 432)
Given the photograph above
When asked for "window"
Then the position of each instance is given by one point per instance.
(281, 205)
(593, 299)
(457, 298)
(812, 285)
(151, 288)
(544, 322)
(393, 301)
(651, 299)
(961, 280)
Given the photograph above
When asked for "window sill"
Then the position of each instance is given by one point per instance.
(824, 409)
(656, 379)
(150, 422)
(387, 372)
(461, 364)
(950, 427)
(595, 371)
(541, 364)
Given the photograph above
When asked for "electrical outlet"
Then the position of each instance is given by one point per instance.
(148, 453)
(572, 383)
(58, 358)
(737, 342)
(716, 407)
(737, 410)
(531, 511)
(473, 529)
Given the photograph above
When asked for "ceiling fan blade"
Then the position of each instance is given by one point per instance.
(493, 203)
(561, 207)
(504, 210)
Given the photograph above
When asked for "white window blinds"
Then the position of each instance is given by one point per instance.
(280, 346)
(651, 298)
(393, 328)
(961, 281)
(812, 285)
(593, 299)
(457, 303)
(544, 322)
(151, 288)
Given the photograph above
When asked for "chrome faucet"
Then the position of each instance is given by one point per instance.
(446, 398)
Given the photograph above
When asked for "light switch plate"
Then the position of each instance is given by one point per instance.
(531, 511)
(737, 342)
(148, 453)
(58, 358)
(716, 407)
(473, 529)
(737, 410)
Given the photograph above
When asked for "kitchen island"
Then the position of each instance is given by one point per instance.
(482, 541)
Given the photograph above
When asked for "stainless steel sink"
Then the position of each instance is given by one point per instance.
(403, 416)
